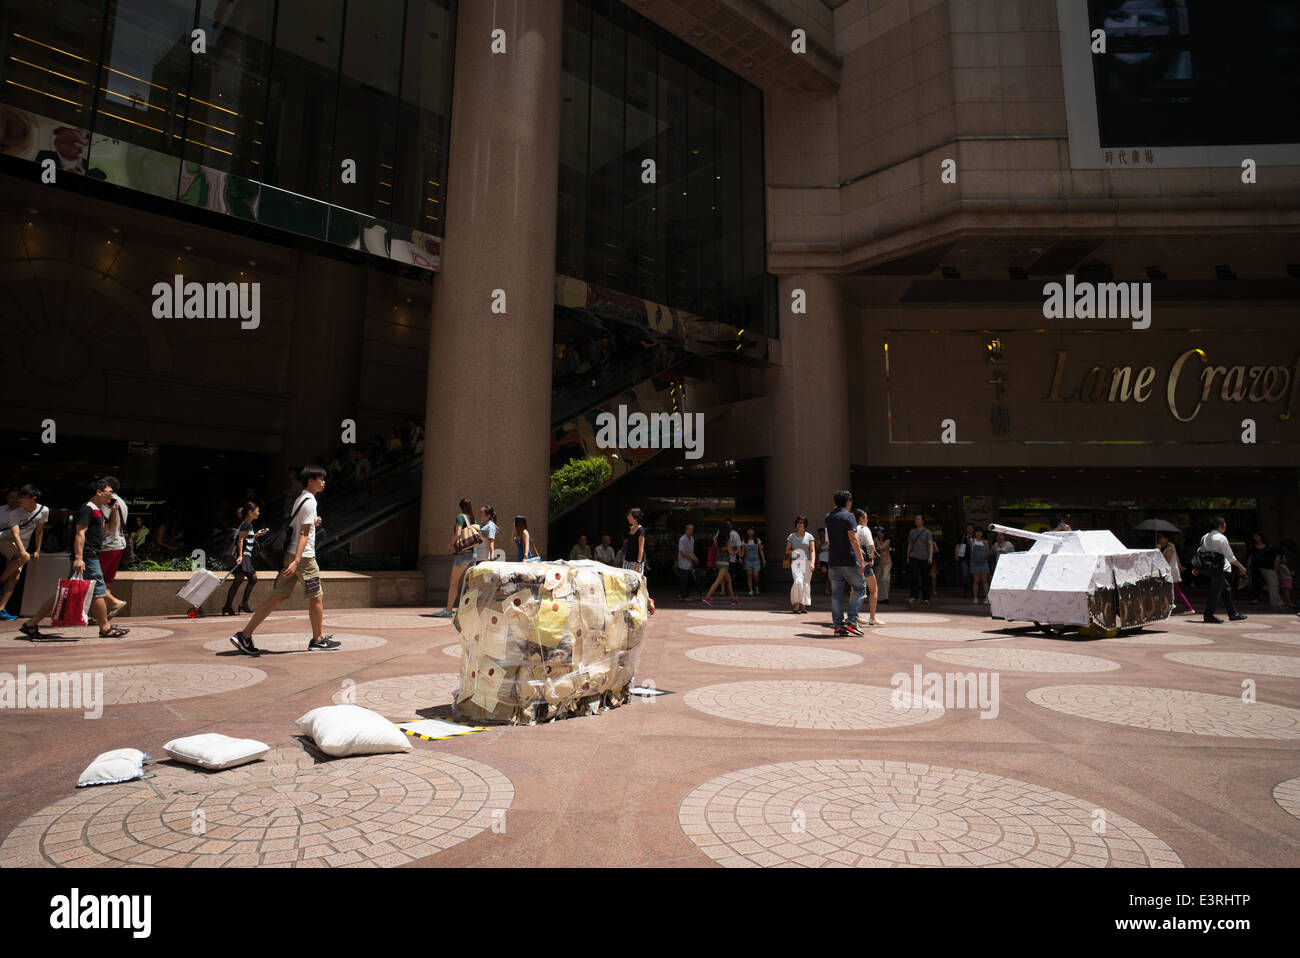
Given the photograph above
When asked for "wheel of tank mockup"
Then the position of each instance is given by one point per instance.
(1097, 632)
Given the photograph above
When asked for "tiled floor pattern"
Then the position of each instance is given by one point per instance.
(297, 642)
(855, 812)
(811, 705)
(1023, 660)
(1171, 710)
(774, 656)
(288, 810)
(401, 697)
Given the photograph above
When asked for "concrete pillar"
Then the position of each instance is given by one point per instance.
(324, 372)
(487, 428)
(810, 405)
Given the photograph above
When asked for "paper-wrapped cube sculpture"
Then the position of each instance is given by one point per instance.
(543, 640)
(1085, 579)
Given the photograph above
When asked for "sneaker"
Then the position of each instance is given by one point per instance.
(325, 643)
(1236, 618)
(707, 601)
(6, 617)
(852, 629)
(841, 633)
(735, 600)
(925, 601)
(875, 623)
(245, 644)
(443, 614)
(913, 601)
(1212, 618)
(974, 601)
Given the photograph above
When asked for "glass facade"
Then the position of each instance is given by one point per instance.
(261, 124)
(693, 239)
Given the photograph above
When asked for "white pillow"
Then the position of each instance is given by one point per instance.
(215, 751)
(119, 765)
(352, 730)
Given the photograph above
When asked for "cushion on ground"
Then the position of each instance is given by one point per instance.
(351, 730)
(119, 765)
(215, 751)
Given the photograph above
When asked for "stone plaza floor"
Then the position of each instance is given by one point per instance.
(775, 743)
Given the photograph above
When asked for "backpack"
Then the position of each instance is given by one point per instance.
(278, 543)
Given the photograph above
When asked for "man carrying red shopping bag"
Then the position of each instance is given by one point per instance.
(86, 570)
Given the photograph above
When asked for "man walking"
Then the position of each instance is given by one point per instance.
(686, 562)
(963, 558)
(845, 564)
(302, 566)
(1215, 541)
(920, 557)
(21, 525)
(86, 544)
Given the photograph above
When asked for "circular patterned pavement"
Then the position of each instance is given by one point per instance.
(378, 620)
(1023, 660)
(401, 697)
(743, 615)
(453, 650)
(1285, 638)
(870, 813)
(297, 642)
(1171, 710)
(134, 684)
(954, 634)
(774, 656)
(1158, 638)
(88, 635)
(817, 705)
(903, 617)
(744, 631)
(379, 810)
(1287, 795)
(1225, 624)
(1248, 662)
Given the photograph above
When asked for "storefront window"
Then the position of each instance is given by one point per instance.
(693, 238)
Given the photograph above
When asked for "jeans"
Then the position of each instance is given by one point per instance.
(920, 570)
(684, 577)
(839, 575)
(1219, 584)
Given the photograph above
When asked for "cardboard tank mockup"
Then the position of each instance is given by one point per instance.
(544, 640)
(1084, 579)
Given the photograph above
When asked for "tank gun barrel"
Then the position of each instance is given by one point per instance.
(1023, 533)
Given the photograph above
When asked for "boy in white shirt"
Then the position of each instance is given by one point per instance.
(19, 525)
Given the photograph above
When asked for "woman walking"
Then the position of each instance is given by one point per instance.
(463, 541)
(1175, 568)
(242, 569)
(722, 562)
(488, 529)
(524, 541)
(977, 552)
(634, 544)
(884, 563)
(824, 555)
(754, 560)
(800, 547)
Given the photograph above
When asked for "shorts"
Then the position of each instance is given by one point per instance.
(753, 565)
(309, 572)
(979, 568)
(463, 560)
(95, 573)
(8, 548)
(109, 560)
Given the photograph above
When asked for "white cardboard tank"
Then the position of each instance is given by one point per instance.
(1083, 579)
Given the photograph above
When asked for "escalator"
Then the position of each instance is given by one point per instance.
(641, 374)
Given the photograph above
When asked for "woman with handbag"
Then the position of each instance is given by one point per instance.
(723, 554)
(464, 537)
(242, 568)
(801, 557)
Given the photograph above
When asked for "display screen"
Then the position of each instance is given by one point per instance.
(1197, 72)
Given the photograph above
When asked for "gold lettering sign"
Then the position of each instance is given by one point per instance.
(1117, 384)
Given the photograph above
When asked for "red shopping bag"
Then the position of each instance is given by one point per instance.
(72, 602)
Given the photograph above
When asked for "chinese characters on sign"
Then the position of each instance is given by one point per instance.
(1129, 157)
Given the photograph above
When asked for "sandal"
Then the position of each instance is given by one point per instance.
(116, 609)
(113, 633)
(31, 631)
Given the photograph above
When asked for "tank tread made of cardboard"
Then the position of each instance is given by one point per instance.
(1082, 579)
(547, 640)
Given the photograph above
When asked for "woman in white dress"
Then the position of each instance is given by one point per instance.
(800, 549)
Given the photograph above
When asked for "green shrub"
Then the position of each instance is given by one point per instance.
(576, 480)
(174, 564)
